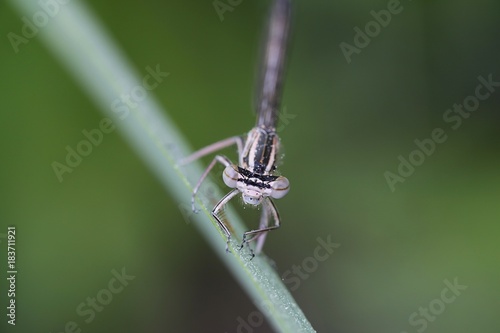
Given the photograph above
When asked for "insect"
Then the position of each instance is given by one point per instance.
(255, 176)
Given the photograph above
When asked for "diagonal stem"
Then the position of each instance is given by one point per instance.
(82, 45)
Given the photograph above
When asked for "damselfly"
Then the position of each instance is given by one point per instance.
(255, 175)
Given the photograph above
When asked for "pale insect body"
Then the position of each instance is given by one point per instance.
(254, 176)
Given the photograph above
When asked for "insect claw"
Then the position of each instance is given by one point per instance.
(193, 208)
(251, 253)
(243, 241)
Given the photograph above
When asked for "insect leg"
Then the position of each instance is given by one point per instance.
(213, 148)
(262, 231)
(216, 210)
(219, 158)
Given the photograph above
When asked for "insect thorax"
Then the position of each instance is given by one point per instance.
(260, 151)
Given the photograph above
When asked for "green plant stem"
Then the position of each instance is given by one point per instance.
(81, 44)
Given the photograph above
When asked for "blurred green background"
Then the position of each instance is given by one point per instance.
(350, 123)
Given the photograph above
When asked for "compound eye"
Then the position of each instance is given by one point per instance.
(279, 187)
(230, 176)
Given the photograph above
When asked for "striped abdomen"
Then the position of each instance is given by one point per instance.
(260, 151)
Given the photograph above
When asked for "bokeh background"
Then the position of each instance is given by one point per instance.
(350, 123)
